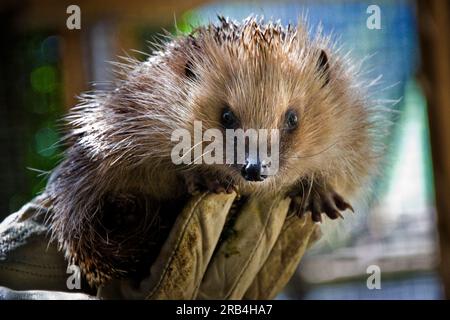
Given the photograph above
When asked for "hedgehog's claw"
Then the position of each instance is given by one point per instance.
(341, 203)
(296, 207)
(196, 183)
(320, 200)
(192, 184)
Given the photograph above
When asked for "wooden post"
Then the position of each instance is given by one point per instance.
(434, 27)
(73, 66)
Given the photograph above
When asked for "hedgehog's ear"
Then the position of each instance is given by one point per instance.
(188, 70)
(323, 66)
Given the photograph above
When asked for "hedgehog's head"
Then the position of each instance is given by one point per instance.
(263, 76)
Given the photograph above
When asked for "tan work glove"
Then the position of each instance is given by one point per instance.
(260, 252)
(31, 268)
(257, 253)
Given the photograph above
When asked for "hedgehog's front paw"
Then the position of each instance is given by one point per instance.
(320, 199)
(196, 183)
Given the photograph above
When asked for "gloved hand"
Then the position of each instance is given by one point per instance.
(251, 255)
(31, 268)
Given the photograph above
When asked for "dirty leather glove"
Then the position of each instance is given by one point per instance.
(31, 268)
(208, 254)
(251, 255)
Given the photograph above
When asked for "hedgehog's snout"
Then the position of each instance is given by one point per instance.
(251, 171)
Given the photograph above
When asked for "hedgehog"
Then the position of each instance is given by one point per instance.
(117, 169)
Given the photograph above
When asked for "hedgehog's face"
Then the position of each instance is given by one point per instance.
(276, 92)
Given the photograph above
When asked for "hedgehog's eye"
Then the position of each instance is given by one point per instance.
(291, 120)
(228, 119)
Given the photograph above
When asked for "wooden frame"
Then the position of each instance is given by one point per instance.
(434, 28)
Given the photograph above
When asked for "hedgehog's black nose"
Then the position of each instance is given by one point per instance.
(252, 172)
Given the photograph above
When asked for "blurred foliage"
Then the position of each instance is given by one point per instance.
(150, 35)
(41, 90)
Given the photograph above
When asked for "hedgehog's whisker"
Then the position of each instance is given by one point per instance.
(190, 149)
(200, 156)
(315, 154)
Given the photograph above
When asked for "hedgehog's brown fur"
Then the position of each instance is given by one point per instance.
(119, 141)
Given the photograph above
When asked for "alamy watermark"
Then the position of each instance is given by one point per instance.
(74, 280)
(241, 147)
(73, 21)
(373, 22)
(374, 280)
